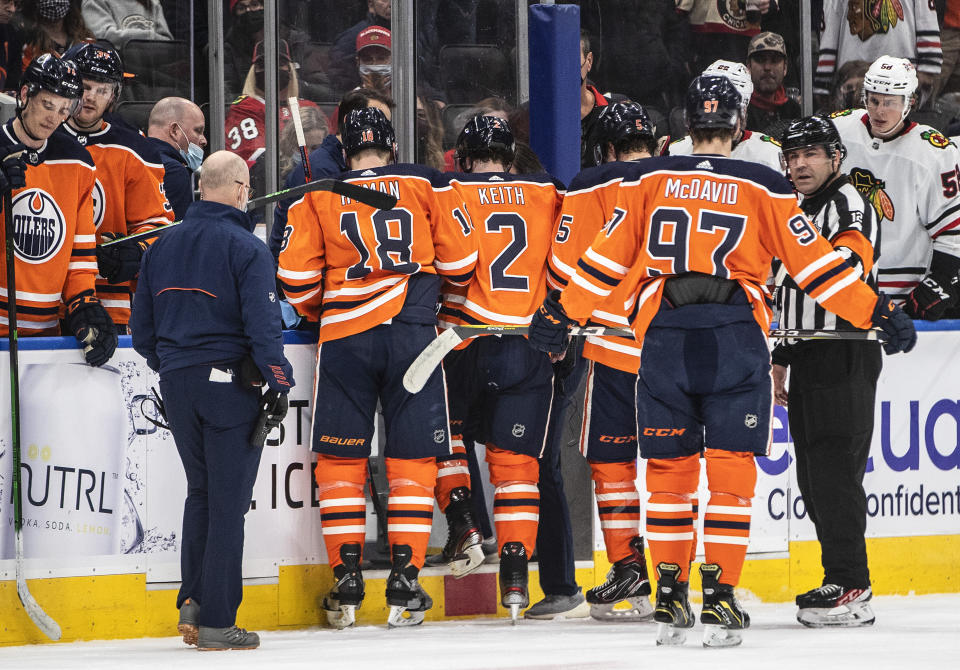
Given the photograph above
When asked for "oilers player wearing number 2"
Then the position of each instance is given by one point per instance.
(702, 231)
(372, 279)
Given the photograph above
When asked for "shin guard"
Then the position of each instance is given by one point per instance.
(516, 498)
(618, 505)
(343, 508)
(732, 478)
(672, 484)
(410, 505)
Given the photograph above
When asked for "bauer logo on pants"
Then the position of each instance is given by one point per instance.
(39, 227)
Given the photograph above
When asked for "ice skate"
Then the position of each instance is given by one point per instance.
(407, 600)
(834, 605)
(626, 581)
(723, 617)
(222, 639)
(188, 624)
(673, 611)
(513, 579)
(463, 550)
(346, 595)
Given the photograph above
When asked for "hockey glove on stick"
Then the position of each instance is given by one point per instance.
(897, 331)
(273, 407)
(550, 326)
(91, 324)
(13, 168)
(119, 263)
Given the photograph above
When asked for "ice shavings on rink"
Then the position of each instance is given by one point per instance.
(911, 632)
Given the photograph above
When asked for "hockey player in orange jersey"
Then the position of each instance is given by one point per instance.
(608, 437)
(694, 241)
(53, 215)
(500, 389)
(372, 279)
(128, 192)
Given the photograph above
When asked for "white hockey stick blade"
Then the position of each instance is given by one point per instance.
(416, 376)
(40, 619)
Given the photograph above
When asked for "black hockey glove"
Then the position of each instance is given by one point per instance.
(13, 168)
(273, 407)
(897, 331)
(550, 326)
(119, 263)
(930, 298)
(90, 323)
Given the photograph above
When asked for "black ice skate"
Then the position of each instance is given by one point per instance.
(723, 616)
(463, 550)
(673, 611)
(626, 581)
(834, 605)
(405, 596)
(346, 595)
(513, 579)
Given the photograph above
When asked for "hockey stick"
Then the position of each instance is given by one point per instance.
(365, 195)
(301, 140)
(40, 618)
(416, 376)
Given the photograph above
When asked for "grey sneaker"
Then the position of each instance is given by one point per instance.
(560, 607)
(232, 637)
(187, 623)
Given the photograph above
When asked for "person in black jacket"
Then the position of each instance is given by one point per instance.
(176, 128)
(206, 317)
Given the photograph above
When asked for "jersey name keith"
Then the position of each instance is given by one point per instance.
(724, 193)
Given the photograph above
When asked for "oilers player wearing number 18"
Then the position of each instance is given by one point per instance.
(699, 233)
(372, 279)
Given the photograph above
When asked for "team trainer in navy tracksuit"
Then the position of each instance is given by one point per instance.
(205, 302)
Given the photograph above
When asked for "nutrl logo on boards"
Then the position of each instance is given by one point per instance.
(39, 228)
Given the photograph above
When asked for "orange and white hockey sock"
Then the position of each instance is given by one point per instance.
(453, 470)
(410, 505)
(672, 483)
(618, 504)
(516, 498)
(695, 505)
(343, 508)
(732, 477)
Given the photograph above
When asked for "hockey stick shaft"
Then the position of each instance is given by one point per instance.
(301, 138)
(40, 618)
(812, 334)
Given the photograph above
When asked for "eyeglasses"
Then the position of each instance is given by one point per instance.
(246, 186)
(244, 7)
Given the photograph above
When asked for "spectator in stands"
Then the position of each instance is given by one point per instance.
(119, 21)
(767, 62)
(525, 160)
(592, 103)
(721, 30)
(429, 132)
(52, 26)
(315, 131)
(373, 59)
(949, 79)
(848, 90)
(11, 46)
(176, 128)
(850, 31)
(343, 55)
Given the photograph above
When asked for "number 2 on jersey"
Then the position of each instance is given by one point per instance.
(514, 223)
(392, 252)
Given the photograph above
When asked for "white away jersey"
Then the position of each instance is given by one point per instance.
(753, 147)
(912, 182)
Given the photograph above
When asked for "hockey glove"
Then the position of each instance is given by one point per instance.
(550, 326)
(930, 299)
(13, 168)
(273, 407)
(897, 331)
(90, 323)
(120, 263)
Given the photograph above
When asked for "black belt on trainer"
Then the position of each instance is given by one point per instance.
(696, 288)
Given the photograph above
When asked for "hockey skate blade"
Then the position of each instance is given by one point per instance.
(396, 619)
(718, 636)
(670, 636)
(473, 559)
(837, 617)
(514, 614)
(342, 618)
(640, 610)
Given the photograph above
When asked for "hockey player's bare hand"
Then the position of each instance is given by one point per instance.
(13, 168)
(779, 373)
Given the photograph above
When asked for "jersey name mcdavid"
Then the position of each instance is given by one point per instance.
(39, 226)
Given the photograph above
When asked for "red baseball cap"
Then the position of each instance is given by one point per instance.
(373, 36)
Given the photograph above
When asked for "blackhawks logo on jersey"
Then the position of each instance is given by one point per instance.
(868, 17)
(771, 140)
(935, 138)
(842, 112)
(873, 190)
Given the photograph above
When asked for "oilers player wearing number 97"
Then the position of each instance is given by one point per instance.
(372, 279)
(702, 230)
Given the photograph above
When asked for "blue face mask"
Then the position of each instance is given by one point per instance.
(193, 155)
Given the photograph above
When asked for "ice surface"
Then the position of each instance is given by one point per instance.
(911, 632)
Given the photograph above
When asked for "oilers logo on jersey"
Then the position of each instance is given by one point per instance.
(99, 203)
(874, 190)
(39, 226)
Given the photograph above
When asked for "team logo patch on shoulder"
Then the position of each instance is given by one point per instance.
(842, 112)
(99, 203)
(935, 138)
(771, 140)
(39, 227)
(874, 190)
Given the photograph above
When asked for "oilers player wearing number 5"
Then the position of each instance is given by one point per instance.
(372, 279)
(702, 230)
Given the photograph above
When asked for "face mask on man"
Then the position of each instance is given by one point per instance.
(384, 72)
(193, 154)
(250, 22)
(53, 10)
(283, 79)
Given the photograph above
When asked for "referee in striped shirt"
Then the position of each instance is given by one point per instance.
(833, 383)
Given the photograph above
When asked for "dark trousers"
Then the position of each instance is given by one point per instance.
(211, 423)
(833, 387)
(555, 533)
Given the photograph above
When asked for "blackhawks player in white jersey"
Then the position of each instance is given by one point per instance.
(751, 146)
(908, 172)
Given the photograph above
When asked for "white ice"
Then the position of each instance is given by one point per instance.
(911, 632)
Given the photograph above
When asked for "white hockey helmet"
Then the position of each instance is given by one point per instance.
(738, 75)
(892, 76)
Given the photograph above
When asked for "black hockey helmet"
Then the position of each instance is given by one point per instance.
(486, 136)
(712, 102)
(813, 131)
(97, 62)
(47, 72)
(368, 128)
(619, 121)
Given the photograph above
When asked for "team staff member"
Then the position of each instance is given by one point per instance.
(833, 383)
(57, 261)
(128, 193)
(205, 305)
(372, 279)
(701, 232)
(175, 129)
